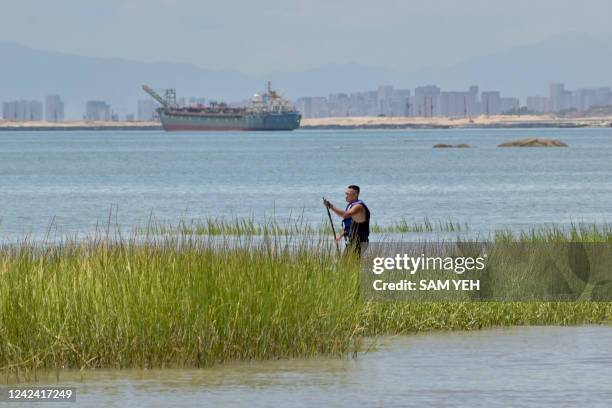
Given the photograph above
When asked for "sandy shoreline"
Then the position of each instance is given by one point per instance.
(79, 125)
(499, 121)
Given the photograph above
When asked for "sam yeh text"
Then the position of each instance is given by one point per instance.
(428, 284)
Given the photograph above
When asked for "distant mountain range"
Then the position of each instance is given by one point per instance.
(578, 59)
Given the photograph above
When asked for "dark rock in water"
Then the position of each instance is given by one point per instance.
(534, 142)
(443, 145)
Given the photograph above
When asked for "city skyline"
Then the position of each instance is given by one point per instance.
(574, 59)
(421, 101)
(433, 101)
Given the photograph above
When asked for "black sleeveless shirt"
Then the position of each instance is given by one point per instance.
(357, 231)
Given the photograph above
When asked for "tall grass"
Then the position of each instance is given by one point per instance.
(427, 225)
(225, 227)
(576, 232)
(248, 226)
(179, 300)
(171, 302)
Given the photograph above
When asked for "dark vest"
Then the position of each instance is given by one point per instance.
(356, 231)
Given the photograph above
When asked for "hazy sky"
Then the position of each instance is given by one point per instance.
(266, 35)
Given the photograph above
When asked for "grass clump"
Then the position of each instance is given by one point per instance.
(171, 303)
(183, 301)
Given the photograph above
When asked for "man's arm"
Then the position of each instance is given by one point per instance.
(341, 213)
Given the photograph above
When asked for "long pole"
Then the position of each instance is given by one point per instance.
(331, 222)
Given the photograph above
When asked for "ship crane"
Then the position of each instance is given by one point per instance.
(155, 96)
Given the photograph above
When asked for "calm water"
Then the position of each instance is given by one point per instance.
(517, 367)
(74, 178)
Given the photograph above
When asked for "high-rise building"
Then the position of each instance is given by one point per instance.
(426, 101)
(509, 105)
(22, 110)
(9, 110)
(361, 105)
(601, 97)
(98, 110)
(585, 98)
(365, 103)
(147, 109)
(383, 99)
(560, 99)
(555, 96)
(490, 103)
(313, 107)
(400, 102)
(339, 105)
(54, 108)
(539, 104)
(459, 104)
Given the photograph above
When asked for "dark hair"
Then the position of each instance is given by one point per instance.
(354, 187)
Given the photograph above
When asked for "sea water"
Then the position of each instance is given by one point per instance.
(73, 181)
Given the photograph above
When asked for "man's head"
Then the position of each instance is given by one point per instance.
(351, 193)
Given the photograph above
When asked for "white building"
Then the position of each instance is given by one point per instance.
(98, 110)
(313, 107)
(508, 105)
(400, 103)
(585, 98)
(426, 101)
(339, 105)
(560, 99)
(364, 103)
(22, 110)
(490, 103)
(458, 104)
(384, 97)
(54, 108)
(539, 104)
(147, 109)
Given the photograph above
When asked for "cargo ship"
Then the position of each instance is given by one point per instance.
(267, 111)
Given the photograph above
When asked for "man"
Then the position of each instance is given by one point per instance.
(355, 220)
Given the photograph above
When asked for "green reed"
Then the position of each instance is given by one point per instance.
(575, 232)
(178, 300)
(427, 225)
(248, 226)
